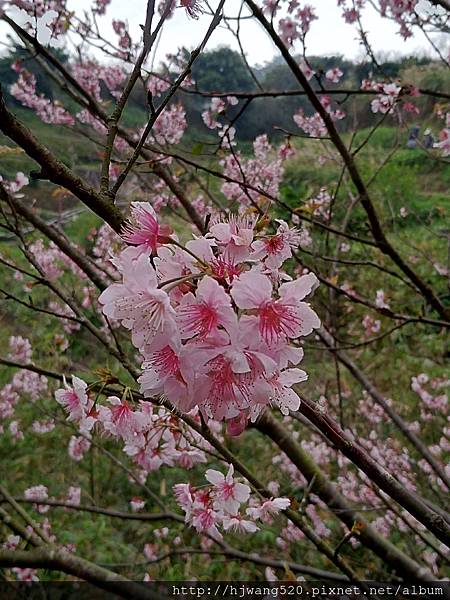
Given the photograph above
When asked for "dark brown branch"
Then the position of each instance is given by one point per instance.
(171, 92)
(257, 560)
(148, 40)
(57, 559)
(301, 92)
(106, 511)
(31, 367)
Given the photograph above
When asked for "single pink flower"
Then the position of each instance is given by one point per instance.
(282, 393)
(74, 399)
(201, 314)
(235, 237)
(277, 248)
(138, 302)
(119, 419)
(268, 509)
(143, 228)
(228, 494)
(275, 320)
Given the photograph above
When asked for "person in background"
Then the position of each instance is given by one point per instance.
(413, 137)
(428, 139)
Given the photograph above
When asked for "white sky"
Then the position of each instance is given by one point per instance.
(328, 35)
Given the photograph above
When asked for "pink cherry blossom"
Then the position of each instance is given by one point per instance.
(277, 248)
(37, 492)
(282, 393)
(74, 399)
(143, 228)
(286, 317)
(268, 509)
(229, 494)
(193, 8)
(334, 75)
(306, 69)
(198, 348)
(201, 314)
(137, 504)
(20, 349)
(119, 419)
(78, 446)
(74, 495)
(138, 302)
(235, 237)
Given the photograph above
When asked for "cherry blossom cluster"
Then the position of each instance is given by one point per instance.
(20, 349)
(319, 205)
(120, 28)
(403, 12)
(217, 108)
(371, 326)
(261, 174)
(314, 125)
(52, 261)
(104, 241)
(14, 186)
(169, 127)
(432, 404)
(219, 505)
(24, 384)
(215, 320)
(100, 6)
(90, 75)
(354, 484)
(152, 437)
(12, 542)
(157, 85)
(387, 97)
(49, 111)
(297, 22)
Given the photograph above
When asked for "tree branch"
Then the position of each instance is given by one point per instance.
(57, 559)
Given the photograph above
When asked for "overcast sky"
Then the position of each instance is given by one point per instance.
(328, 35)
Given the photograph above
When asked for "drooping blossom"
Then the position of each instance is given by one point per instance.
(276, 249)
(193, 8)
(143, 228)
(137, 302)
(268, 509)
(74, 399)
